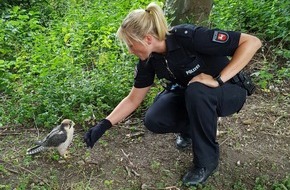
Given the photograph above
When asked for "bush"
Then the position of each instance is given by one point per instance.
(269, 20)
(61, 59)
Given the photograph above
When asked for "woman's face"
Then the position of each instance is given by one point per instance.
(141, 50)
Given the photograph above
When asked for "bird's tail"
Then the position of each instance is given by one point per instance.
(35, 150)
(38, 142)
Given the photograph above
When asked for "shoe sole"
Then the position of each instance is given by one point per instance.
(203, 182)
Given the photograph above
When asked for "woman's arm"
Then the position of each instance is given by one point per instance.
(125, 107)
(248, 46)
(128, 104)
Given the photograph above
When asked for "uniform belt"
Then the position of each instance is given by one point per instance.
(244, 80)
(173, 87)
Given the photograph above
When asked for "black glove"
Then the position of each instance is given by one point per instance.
(93, 135)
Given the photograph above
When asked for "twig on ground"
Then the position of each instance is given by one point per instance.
(135, 135)
(146, 187)
(224, 141)
(3, 131)
(33, 129)
(127, 156)
(4, 127)
(27, 170)
(91, 162)
(7, 134)
(91, 177)
(35, 124)
(128, 171)
(135, 173)
(273, 134)
(131, 164)
(129, 128)
(275, 122)
(12, 171)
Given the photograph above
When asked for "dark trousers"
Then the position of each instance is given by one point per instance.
(194, 111)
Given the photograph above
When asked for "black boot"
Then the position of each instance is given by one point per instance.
(183, 141)
(198, 175)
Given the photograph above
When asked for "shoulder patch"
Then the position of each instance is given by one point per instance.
(220, 37)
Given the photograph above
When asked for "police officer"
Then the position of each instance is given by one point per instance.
(194, 63)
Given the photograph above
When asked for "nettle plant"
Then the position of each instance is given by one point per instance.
(270, 21)
(61, 61)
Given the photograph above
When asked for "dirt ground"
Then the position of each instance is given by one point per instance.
(254, 145)
(254, 154)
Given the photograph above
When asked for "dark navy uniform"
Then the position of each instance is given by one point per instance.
(192, 109)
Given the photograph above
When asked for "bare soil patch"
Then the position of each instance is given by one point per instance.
(254, 145)
(255, 150)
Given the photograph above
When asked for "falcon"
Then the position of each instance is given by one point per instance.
(60, 138)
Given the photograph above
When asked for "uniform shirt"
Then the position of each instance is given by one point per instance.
(190, 50)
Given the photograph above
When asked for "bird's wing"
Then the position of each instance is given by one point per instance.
(51, 133)
(55, 139)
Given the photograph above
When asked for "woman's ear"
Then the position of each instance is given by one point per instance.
(148, 39)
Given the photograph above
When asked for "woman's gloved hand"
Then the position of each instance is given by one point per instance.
(93, 135)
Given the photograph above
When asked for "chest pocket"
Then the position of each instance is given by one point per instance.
(191, 66)
(186, 64)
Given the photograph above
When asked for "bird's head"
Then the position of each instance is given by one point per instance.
(67, 123)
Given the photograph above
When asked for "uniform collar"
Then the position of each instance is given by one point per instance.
(171, 45)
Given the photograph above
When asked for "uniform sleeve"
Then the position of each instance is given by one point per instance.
(215, 41)
(144, 75)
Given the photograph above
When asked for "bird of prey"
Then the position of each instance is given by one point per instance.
(60, 138)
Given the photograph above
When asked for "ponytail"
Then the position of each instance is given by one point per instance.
(140, 22)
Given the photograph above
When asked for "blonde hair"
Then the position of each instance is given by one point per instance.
(140, 22)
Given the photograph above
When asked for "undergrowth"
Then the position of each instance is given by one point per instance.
(270, 21)
(61, 59)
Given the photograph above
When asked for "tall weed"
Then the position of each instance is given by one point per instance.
(61, 59)
(269, 20)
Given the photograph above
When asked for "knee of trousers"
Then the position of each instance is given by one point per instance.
(151, 122)
(197, 94)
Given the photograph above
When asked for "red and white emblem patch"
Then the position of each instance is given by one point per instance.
(220, 37)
